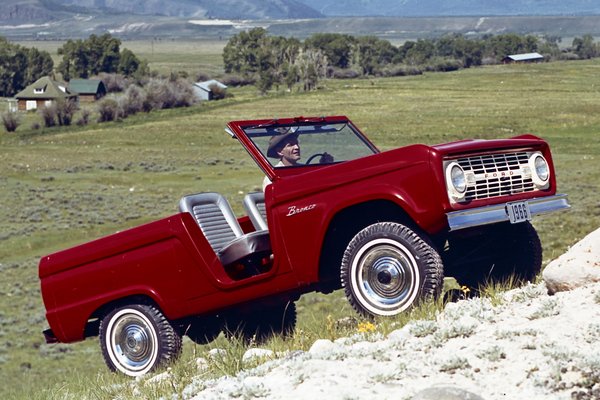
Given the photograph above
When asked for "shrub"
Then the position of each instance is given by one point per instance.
(218, 93)
(344, 74)
(401, 70)
(11, 121)
(114, 82)
(108, 110)
(444, 65)
(48, 114)
(202, 76)
(161, 94)
(133, 101)
(84, 118)
(237, 80)
(65, 109)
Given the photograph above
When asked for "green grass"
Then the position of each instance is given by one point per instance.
(163, 55)
(65, 186)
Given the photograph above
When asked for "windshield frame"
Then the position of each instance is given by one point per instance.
(242, 130)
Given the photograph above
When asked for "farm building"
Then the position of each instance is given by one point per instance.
(526, 57)
(13, 105)
(209, 90)
(89, 90)
(42, 93)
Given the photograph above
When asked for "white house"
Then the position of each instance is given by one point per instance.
(527, 57)
(204, 90)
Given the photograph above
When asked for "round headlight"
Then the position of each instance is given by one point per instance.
(457, 177)
(540, 168)
(456, 181)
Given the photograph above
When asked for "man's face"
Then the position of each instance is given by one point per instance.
(290, 152)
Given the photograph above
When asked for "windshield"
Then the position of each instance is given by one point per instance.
(309, 143)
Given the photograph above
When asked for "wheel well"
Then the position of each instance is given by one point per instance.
(347, 223)
(92, 327)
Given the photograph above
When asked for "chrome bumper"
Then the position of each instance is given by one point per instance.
(497, 213)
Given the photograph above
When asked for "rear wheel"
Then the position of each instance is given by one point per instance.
(261, 323)
(203, 330)
(387, 268)
(136, 339)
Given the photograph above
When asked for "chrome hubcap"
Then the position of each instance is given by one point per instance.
(134, 342)
(387, 277)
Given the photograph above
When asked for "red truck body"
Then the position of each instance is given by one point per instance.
(312, 213)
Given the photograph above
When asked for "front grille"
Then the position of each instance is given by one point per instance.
(497, 175)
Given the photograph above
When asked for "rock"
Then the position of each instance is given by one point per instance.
(445, 393)
(156, 379)
(217, 354)
(579, 266)
(326, 350)
(257, 354)
(201, 364)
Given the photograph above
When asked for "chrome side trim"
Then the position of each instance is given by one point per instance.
(497, 213)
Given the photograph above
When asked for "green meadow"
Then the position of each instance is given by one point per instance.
(64, 186)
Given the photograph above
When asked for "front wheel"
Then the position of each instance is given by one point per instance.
(387, 268)
(136, 339)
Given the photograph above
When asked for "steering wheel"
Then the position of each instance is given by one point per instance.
(308, 161)
(311, 158)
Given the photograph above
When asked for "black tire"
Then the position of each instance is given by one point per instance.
(262, 323)
(387, 268)
(136, 339)
(203, 330)
(498, 253)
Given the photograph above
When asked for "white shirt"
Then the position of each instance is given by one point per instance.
(266, 180)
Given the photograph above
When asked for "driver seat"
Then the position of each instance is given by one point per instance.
(219, 225)
(254, 204)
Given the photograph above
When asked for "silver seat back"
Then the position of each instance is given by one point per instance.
(254, 204)
(214, 216)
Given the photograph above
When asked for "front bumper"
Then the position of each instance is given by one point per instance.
(497, 213)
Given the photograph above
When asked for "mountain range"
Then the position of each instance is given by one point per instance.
(29, 11)
(423, 8)
(36, 11)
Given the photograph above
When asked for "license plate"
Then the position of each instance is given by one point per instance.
(518, 212)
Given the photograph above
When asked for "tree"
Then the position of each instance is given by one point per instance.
(110, 54)
(584, 47)
(75, 61)
(241, 53)
(312, 66)
(95, 55)
(291, 76)
(503, 45)
(128, 63)
(456, 46)
(419, 52)
(21, 66)
(336, 47)
(39, 63)
(374, 53)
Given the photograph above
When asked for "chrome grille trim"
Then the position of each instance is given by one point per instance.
(496, 175)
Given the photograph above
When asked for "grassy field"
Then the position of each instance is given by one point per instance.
(163, 55)
(65, 186)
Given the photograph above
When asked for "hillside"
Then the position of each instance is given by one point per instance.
(19, 12)
(414, 8)
(474, 350)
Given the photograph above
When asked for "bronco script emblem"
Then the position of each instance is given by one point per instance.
(293, 210)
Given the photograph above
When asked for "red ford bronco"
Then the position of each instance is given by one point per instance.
(384, 226)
